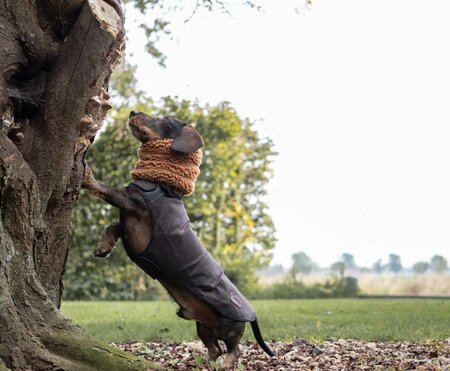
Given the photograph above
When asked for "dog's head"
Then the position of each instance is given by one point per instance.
(146, 128)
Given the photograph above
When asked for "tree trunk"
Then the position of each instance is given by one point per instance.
(56, 57)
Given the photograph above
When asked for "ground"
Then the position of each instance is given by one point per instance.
(301, 355)
(306, 334)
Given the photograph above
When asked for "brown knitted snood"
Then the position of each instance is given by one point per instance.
(159, 163)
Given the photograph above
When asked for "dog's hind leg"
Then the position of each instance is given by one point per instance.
(109, 240)
(208, 336)
(185, 314)
(232, 332)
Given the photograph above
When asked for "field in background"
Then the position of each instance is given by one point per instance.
(374, 284)
(425, 284)
(315, 320)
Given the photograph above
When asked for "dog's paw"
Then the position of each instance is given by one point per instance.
(88, 178)
(103, 251)
(101, 254)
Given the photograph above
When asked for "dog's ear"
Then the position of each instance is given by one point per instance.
(187, 141)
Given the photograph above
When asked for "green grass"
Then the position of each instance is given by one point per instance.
(414, 320)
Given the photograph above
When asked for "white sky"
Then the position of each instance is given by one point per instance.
(356, 96)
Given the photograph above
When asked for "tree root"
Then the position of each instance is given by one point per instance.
(59, 345)
(75, 350)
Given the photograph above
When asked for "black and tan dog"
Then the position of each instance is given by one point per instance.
(156, 233)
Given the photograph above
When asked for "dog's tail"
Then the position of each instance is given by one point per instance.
(259, 338)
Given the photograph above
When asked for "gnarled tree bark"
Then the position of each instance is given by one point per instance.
(56, 57)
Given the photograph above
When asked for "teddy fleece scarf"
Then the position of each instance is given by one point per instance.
(159, 163)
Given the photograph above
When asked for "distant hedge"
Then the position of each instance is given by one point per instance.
(342, 287)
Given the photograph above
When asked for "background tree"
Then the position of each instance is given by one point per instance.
(377, 267)
(274, 269)
(348, 260)
(439, 264)
(394, 263)
(338, 268)
(301, 263)
(421, 267)
(365, 270)
(227, 209)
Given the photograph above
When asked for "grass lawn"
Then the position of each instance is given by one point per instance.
(413, 320)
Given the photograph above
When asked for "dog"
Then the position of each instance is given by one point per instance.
(156, 234)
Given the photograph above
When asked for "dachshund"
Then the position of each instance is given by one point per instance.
(154, 228)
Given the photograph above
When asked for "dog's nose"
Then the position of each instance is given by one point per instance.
(133, 113)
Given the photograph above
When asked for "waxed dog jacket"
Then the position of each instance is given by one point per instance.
(176, 254)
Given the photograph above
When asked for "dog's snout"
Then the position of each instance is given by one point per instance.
(133, 113)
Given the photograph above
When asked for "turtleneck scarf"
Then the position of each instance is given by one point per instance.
(159, 163)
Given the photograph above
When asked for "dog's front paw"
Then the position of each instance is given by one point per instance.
(88, 179)
(103, 250)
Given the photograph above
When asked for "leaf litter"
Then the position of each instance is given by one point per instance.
(332, 354)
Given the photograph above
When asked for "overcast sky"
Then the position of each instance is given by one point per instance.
(356, 96)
